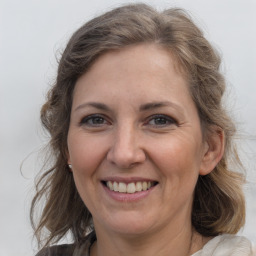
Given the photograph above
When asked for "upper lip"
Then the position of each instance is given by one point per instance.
(128, 179)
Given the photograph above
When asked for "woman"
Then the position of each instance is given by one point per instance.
(142, 145)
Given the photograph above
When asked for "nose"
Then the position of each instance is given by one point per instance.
(126, 150)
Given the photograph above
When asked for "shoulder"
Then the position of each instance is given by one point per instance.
(58, 250)
(227, 245)
(81, 248)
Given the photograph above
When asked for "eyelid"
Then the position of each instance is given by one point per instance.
(106, 121)
(167, 117)
(91, 116)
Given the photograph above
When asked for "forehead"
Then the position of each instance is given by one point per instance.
(143, 65)
(127, 79)
(149, 53)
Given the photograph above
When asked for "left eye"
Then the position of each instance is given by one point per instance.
(161, 121)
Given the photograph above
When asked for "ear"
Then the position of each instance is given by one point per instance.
(68, 160)
(67, 156)
(213, 151)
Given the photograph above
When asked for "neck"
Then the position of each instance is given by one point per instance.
(181, 243)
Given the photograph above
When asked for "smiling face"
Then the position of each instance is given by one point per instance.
(135, 142)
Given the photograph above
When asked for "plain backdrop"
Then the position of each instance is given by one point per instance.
(33, 32)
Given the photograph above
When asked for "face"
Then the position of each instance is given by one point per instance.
(135, 142)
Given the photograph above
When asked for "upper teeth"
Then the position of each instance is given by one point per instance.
(130, 187)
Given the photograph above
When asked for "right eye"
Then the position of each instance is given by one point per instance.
(94, 121)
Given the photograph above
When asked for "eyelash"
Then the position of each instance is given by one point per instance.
(167, 119)
(88, 121)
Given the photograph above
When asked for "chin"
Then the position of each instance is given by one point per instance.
(129, 224)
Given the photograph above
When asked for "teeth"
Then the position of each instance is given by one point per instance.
(144, 185)
(110, 185)
(122, 187)
(138, 186)
(130, 188)
(115, 186)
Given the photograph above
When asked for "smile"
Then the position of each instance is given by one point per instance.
(130, 188)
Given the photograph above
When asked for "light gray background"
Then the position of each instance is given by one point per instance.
(31, 32)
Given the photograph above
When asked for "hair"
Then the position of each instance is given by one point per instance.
(219, 205)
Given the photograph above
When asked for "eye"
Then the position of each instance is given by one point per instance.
(94, 120)
(160, 121)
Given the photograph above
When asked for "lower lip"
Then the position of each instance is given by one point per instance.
(127, 197)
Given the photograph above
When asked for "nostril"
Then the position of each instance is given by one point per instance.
(126, 159)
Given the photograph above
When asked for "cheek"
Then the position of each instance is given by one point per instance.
(178, 159)
(86, 153)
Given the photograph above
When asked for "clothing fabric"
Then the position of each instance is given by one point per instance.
(223, 245)
(226, 245)
(82, 249)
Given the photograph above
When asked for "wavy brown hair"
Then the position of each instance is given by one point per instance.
(219, 205)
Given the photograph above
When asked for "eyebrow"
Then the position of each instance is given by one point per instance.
(154, 105)
(144, 107)
(97, 105)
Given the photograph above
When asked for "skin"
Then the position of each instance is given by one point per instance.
(114, 134)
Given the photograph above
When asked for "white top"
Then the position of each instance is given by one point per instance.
(227, 245)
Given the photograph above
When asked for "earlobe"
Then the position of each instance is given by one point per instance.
(214, 150)
(68, 160)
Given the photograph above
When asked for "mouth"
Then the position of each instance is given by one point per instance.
(129, 188)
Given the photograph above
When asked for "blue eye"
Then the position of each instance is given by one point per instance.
(161, 121)
(94, 121)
